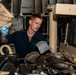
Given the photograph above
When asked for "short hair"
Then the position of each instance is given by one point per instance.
(36, 15)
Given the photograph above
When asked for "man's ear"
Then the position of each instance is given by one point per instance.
(29, 21)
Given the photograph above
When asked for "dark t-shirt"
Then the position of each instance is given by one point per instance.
(22, 44)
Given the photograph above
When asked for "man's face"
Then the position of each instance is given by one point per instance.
(35, 24)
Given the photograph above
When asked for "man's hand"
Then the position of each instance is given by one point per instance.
(43, 46)
(4, 30)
